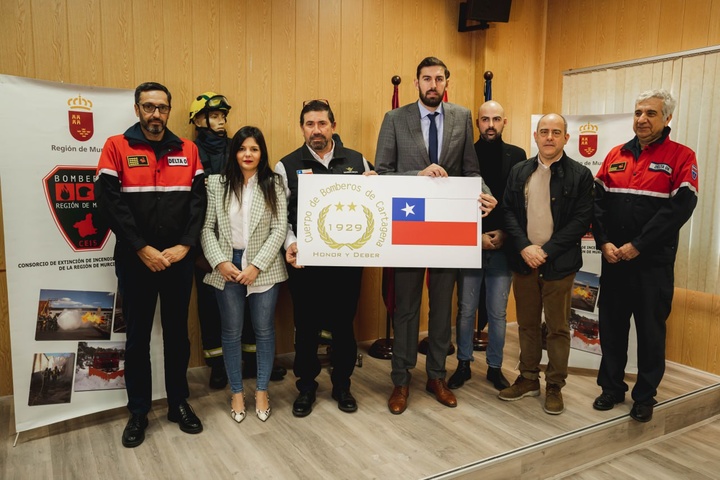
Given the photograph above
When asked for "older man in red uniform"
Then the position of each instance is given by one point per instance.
(645, 191)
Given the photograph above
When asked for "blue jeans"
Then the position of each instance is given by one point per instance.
(231, 302)
(497, 284)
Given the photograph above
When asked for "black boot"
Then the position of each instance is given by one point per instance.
(218, 376)
(496, 377)
(461, 375)
(277, 373)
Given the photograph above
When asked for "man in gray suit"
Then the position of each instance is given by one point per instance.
(435, 139)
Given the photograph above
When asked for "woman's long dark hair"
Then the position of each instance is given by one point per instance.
(265, 176)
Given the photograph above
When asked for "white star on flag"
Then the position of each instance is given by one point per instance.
(409, 209)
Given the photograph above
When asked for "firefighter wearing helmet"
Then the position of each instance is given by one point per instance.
(208, 112)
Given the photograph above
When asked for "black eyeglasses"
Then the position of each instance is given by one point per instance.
(150, 108)
(321, 100)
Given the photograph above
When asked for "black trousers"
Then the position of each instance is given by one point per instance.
(209, 316)
(140, 290)
(645, 291)
(324, 296)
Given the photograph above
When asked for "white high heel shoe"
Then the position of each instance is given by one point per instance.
(263, 415)
(238, 416)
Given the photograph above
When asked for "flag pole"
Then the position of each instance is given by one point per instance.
(383, 347)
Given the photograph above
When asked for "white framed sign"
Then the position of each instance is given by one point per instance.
(389, 221)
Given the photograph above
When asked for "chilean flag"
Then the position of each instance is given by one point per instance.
(434, 221)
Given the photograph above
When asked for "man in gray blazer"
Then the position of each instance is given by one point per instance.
(432, 138)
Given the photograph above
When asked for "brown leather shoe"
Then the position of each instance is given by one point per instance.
(398, 399)
(439, 388)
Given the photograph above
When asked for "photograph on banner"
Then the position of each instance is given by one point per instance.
(591, 139)
(74, 315)
(389, 221)
(100, 366)
(584, 327)
(118, 319)
(59, 254)
(51, 379)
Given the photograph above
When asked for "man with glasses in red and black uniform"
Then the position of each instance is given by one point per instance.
(151, 192)
(339, 286)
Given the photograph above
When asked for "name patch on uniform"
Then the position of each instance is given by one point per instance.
(177, 161)
(137, 161)
(350, 170)
(305, 171)
(661, 167)
(618, 167)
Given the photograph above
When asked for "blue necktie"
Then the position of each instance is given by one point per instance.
(433, 138)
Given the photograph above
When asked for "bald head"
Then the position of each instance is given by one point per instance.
(491, 120)
(551, 137)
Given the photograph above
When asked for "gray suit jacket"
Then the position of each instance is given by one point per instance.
(267, 234)
(401, 149)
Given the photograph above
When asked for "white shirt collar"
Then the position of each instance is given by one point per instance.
(424, 112)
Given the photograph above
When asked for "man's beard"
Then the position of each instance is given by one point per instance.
(431, 102)
(487, 138)
(154, 129)
(318, 143)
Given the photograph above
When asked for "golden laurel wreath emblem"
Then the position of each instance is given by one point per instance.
(325, 236)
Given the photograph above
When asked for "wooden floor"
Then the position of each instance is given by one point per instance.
(691, 453)
(424, 441)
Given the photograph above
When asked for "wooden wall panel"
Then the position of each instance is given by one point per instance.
(269, 55)
(50, 31)
(117, 44)
(170, 58)
(84, 42)
(714, 32)
(330, 65)
(204, 49)
(305, 27)
(285, 80)
(259, 51)
(266, 56)
(514, 53)
(232, 61)
(16, 50)
(148, 30)
(694, 330)
(624, 30)
(6, 387)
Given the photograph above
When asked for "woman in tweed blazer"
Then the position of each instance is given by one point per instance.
(243, 233)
